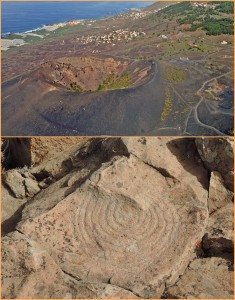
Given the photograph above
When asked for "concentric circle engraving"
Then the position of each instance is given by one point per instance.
(125, 226)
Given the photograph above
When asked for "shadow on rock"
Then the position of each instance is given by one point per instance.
(186, 152)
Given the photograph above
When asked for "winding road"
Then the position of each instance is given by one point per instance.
(32, 107)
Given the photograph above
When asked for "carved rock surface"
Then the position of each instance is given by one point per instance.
(117, 229)
(30, 272)
(117, 218)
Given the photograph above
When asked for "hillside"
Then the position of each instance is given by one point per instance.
(188, 47)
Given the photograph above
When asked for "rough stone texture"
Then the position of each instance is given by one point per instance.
(207, 278)
(15, 181)
(176, 159)
(218, 194)
(30, 272)
(217, 154)
(20, 152)
(219, 237)
(31, 186)
(119, 218)
(221, 223)
(44, 148)
(9, 204)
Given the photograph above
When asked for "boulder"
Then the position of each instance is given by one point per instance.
(15, 181)
(218, 155)
(31, 186)
(221, 223)
(208, 278)
(219, 237)
(219, 196)
(10, 204)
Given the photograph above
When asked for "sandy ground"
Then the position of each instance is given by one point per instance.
(6, 44)
(31, 34)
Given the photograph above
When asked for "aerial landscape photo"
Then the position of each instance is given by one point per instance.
(124, 218)
(118, 69)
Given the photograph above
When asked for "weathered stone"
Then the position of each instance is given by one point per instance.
(118, 218)
(15, 182)
(30, 272)
(77, 177)
(44, 148)
(207, 278)
(9, 204)
(31, 186)
(218, 155)
(26, 174)
(175, 159)
(219, 237)
(221, 223)
(43, 185)
(218, 194)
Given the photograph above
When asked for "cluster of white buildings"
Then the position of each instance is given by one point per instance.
(112, 37)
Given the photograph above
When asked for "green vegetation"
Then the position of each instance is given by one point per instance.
(177, 9)
(174, 74)
(114, 81)
(63, 31)
(225, 7)
(185, 47)
(201, 17)
(168, 103)
(217, 27)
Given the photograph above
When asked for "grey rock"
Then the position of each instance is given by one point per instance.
(14, 180)
(207, 278)
(31, 186)
(218, 155)
(218, 194)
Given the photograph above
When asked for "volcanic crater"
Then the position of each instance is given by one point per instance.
(92, 74)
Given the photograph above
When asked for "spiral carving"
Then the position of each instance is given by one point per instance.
(126, 226)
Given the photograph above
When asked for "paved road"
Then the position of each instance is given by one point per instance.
(215, 114)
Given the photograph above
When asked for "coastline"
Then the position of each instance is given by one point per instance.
(49, 27)
(10, 40)
(66, 21)
(16, 39)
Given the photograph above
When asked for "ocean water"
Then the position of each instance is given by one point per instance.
(26, 16)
